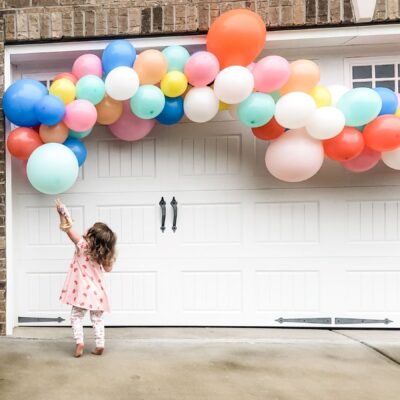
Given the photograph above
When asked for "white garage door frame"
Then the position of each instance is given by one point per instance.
(19, 56)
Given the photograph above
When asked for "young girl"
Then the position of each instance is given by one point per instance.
(84, 287)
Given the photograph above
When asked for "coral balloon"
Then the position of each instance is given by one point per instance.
(270, 131)
(364, 162)
(383, 133)
(21, 142)
(64, 89)
(271, 73)
(80, 115)
(201, 68)
(347, 145)
(321, 95)
(150, 65)
(236, 37)
(108, 111)
(304, 75)
(66, 75)
(87, 64)
(53, 134)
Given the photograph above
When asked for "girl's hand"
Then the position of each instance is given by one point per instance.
(60, 206)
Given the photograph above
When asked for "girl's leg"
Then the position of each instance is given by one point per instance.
(98, 326)
(77, 315)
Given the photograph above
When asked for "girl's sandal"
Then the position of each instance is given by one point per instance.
(98, 351)
(79, 350)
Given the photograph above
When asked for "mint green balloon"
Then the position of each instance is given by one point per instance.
(91, 88)
(256, 110)
(176, 57)
(147, 102)
(276, 95)
(79, 135)
(360, 106)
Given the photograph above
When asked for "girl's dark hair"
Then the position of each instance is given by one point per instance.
(101, 240)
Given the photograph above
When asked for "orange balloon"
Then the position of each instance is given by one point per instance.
(383, 133)
(66, 75)
(108, 111)
(22, 142)
(270, 131)
(151, 65)
(237, 37)
(304, 75)
(54, 134)
(348, 145)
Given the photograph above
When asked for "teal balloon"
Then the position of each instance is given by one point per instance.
(91, 88)
(176, 57)
(276, 95)
(79, 135)
(256, 110)
(148, 102)
(360, 106)
(52, 168)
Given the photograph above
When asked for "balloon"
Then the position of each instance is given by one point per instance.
(364, 162)
(147, 102)
(383, 133)
(294, 109)
(304, 75)
(118, 53)
(174, 84)
(392, 158)
(347, 145)
(53, 134)
(325, 123)
(271, 73)
(151, 65)
(233, 112)
(52, 168)
(360, 106)
(129, 127)
(176, 57)
(87, 64)
(79, 135)
(251, 66)
(389, 100)
(50, 110)
(21, 142)
(122, 83)
(256, 110)
(78, 148)
(233, 84)
(66, 75)
(201, 104)
(276, 96)
(22, 168)
(80, 115)
(397, 113)
(236, 37)
(223, 106)
(337, 91)
(64, 89)
(108, 111)
(90, 88)
(321, 96)
(270, 131)
(201, 68)
(294, 156)
(20, 99)
(172, 111)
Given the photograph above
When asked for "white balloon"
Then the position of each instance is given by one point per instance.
(233, 84)
(294, 109)
(201, 104)
(392, 158)
(337, 91)
(122, 83)
(325, 123)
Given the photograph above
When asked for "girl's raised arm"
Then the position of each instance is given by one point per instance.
(66, 221)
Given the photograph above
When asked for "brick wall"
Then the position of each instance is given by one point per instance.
(36, 20)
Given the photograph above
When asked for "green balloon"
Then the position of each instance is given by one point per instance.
(79, 135)
(176, 57)
(360, 106)
(91, 88)
(256, 110)
(147, 102)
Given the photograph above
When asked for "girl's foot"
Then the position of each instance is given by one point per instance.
(98, 351)
(79, 350)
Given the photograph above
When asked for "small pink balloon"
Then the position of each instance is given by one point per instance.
(129, 127)
(22, 168)
(80, 115)
(87, 64)
(201, 68)
(251, 66)
(364, 162)
(271, 73)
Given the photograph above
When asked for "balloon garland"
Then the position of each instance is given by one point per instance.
(280, 101)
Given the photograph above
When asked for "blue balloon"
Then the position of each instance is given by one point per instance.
(119, 53)
(172, 111)
(389, 100)
(20, 99)
(78, 148)
(50, 110)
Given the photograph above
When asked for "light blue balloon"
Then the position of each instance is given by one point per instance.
(360, 106)
(79, 135)
(118, 53)
(256, 110)
(52, 168)
(90, 88)
(148, 102)
(176, 57)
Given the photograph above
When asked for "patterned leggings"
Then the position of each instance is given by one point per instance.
(77, 315)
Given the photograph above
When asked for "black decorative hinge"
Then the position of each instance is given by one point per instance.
(29, 320)
(305, 320)
(349, 321)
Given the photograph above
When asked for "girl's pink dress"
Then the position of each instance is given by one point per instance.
(84, 286)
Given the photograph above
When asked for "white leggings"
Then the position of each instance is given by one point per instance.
(77, 315)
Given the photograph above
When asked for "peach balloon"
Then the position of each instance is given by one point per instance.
(304, 75)
(53, 134)
(151, 65)
(108, 111)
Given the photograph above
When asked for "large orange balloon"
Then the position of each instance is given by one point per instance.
(383, 133)
(304, 75)
(22, 142)
(347, 145)
(270, 131)
(237, 37)
(151, 65)
(54, 134)
(108, 111)
(66, 75)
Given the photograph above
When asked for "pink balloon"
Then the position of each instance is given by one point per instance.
(364, 162)
(87, 64)
(251, 66)
(271, 73)
(201, 68)
(295, 156)
(129, 127)
(80, 115)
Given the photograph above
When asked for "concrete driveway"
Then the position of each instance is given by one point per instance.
(206, 363)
